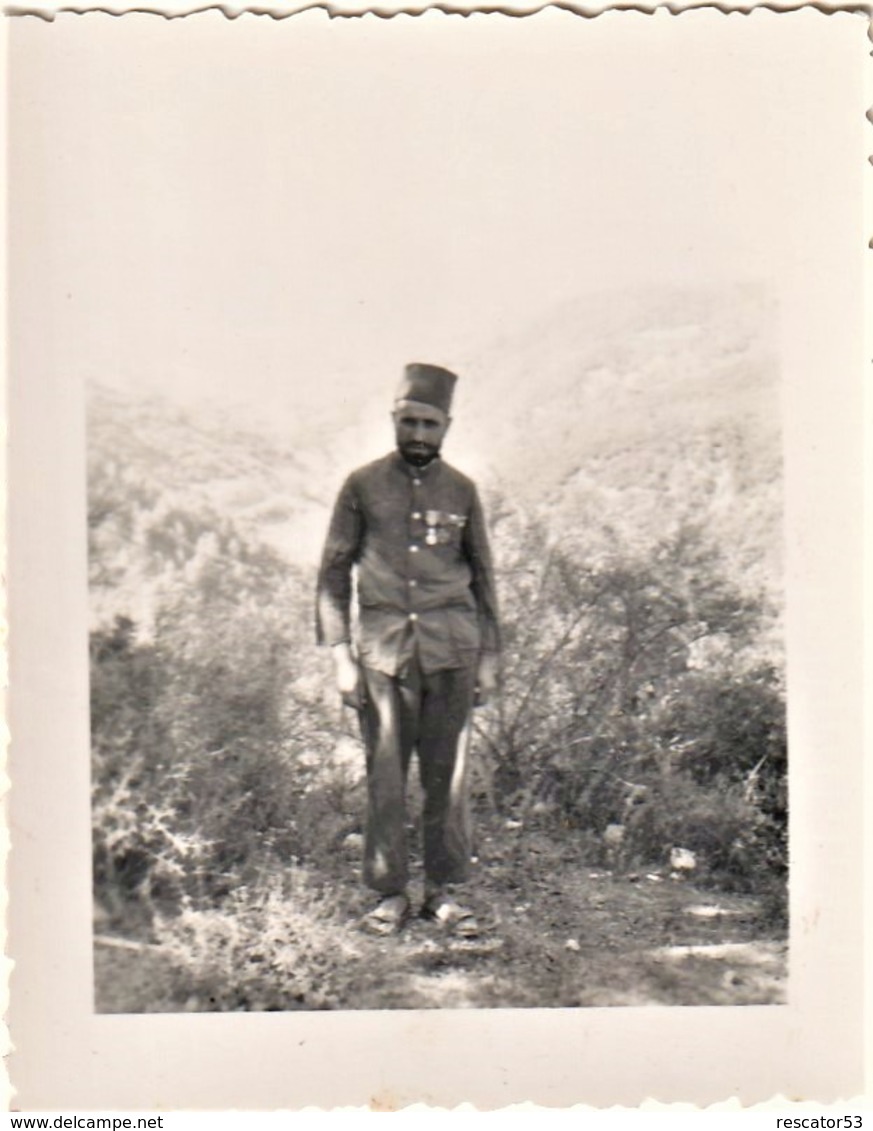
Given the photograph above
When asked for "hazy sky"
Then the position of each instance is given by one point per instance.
(270, 211)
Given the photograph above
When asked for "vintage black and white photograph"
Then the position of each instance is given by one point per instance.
(433, 382)
(531, 499)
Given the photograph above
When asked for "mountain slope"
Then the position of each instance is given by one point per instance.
(635, 410)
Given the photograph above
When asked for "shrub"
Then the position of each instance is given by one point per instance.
(636, 677)
(736, 844)
(275, 947)
(206, 740)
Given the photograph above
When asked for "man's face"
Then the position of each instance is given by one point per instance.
(419, 429)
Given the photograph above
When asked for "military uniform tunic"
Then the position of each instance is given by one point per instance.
(415, 542)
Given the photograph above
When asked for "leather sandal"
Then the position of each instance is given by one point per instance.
(387, 917)
(451, 916)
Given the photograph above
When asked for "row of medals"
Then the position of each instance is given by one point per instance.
(436, 522)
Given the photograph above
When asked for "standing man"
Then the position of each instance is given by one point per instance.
(411, 529)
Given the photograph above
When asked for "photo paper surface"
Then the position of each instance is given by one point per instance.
(637, 243)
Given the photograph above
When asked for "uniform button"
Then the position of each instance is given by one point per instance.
(413, 616)
(412, 583)
(413, 549)
(416, 514)
(416, 483)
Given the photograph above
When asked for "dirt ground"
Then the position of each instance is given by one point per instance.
(557, 933)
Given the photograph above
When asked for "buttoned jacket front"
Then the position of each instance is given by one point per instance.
(415, 539)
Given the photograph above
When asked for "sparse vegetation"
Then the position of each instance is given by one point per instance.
(634, 764)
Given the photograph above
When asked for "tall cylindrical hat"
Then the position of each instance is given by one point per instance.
(429, 384)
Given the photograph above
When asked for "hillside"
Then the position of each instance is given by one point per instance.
(629, 451)
(633, 412)
(638, 411)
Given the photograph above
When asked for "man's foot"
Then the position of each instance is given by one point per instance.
(458, 920)
(387, 917)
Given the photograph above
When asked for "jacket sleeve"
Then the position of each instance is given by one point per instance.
(341, 551)
(479, 556)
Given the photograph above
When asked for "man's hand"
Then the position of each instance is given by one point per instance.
(348, 676)
(486, 678)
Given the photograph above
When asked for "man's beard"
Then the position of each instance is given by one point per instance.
(418, 453)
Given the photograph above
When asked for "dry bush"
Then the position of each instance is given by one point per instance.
(277, 946)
